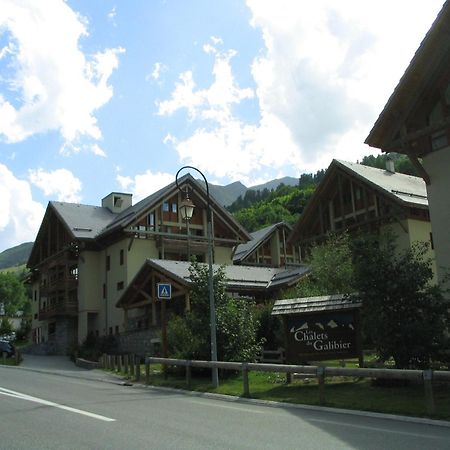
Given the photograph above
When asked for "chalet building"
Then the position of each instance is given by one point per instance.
(95, 268)
(268, 247)
(353, 197)
(416, 122)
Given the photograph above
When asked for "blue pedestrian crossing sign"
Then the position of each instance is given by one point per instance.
(164, 291)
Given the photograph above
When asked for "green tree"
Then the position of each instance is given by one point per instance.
(404, 316)
(5, 326)
(332, 270)
(189, 336)
(12, 293)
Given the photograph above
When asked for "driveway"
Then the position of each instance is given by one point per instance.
(63, 366)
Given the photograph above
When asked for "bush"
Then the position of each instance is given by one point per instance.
(270, 329)
(95, 346)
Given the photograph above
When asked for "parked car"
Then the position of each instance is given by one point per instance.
(8, 348)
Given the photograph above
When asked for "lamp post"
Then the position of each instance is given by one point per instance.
(186, 209)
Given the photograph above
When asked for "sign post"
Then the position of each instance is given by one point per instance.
(164, 291)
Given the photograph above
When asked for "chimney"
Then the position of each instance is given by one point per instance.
(390, 167)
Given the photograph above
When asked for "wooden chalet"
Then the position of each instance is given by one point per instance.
(416, 122)
(85, 256)
(268, 247)
(353, 197)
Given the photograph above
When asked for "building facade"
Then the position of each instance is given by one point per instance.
(353, 198)
(416, 122)
(85, 256)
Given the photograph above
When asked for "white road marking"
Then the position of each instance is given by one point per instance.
(41, 401)
(226, 406)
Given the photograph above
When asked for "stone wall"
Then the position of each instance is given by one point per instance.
(141, 342)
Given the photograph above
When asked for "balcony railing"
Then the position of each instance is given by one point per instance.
(60, 308)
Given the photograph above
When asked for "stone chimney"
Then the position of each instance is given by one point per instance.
(390, 166)
(117, 202)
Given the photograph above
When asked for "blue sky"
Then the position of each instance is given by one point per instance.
(101, 96)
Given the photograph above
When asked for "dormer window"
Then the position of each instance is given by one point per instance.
(117, 201)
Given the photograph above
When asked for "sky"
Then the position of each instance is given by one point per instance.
(117, 95)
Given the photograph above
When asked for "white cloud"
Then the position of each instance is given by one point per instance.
(54, 84)
(155, 74)
(112, 16)
(59, 182)
(97, 150)
(142, 185)
(20, 215)
(325, 72)
(329, 67)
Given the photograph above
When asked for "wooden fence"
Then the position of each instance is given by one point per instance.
(131, 365)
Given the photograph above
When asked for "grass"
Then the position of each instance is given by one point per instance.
(340, 392)
(8, 361)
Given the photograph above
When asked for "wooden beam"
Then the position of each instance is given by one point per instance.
(418, 166)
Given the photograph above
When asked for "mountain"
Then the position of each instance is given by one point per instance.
(226, 195)
(288, 181)
(15, 256)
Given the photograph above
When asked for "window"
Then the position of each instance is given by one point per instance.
(165, 207)
(51, 328)
(174, 207)
(35, 295)
(120, 285)
(151, 220)
(104, 290)
(110, 330)
(121, 257)
(117, 329)
(35, 317)
(108, 262)
(431, 241)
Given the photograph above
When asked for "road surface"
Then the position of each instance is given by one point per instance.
(49, 411)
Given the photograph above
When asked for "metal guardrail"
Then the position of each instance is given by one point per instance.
(131, 365)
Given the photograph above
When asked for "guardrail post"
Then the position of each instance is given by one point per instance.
(132, 365)
(245, 380)
(147, 371)
(137, 361)
(428, 386)
(125, 363)
(321, 381)
(109, 362)
(188, 374)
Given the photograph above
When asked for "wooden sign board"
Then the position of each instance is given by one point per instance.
(321, 336)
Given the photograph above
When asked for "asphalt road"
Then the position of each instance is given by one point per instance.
(47, 411)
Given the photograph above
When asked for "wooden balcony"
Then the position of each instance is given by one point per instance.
(58, 308)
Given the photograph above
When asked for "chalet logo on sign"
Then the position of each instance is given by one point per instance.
(318, 336)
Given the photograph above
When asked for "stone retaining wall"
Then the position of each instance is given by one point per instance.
(141, 342)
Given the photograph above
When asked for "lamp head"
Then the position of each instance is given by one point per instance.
(186, 207)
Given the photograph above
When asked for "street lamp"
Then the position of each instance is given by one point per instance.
(186, 210)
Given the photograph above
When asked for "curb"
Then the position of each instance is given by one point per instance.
(284, 405)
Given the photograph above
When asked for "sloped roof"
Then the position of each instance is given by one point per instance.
(92, 222)
(258, 238)
(237, 278)
(314, 304)
(431, 57)
(83, 221)
(405, 188)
